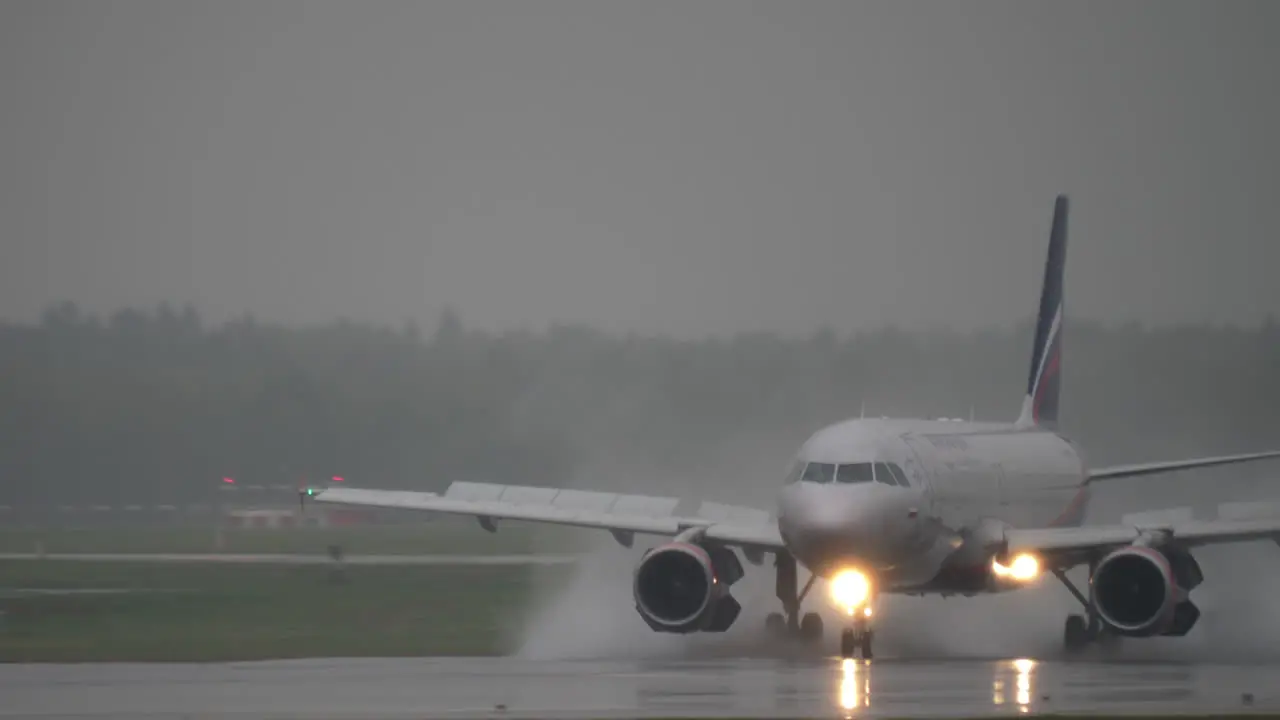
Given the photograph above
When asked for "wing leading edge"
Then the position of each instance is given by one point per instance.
(623, 515)
(1124, 471)
(1063, 547)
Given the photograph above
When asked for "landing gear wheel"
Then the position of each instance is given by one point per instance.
(855, 642)
(848, 643)
(775, 624)
(1075, 634)
(811, 627)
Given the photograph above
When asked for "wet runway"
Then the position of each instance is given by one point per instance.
(491, 687)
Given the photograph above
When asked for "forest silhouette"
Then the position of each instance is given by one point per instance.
(157, 405)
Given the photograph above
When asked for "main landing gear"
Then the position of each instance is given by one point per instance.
(1081, 631)
(807, 628)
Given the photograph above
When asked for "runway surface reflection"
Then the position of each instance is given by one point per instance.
(437, 687)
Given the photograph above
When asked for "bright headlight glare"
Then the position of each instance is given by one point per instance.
(1022, 568)
(849, 589)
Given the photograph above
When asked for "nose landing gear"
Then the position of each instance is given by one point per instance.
(856, 640)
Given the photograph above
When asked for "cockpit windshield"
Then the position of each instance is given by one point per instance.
(857, 473)
(891, 474)
(849, 473)
(821, 473)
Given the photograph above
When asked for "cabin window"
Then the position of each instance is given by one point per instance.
(857, 473)
(820, 473)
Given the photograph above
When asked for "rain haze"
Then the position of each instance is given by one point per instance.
(677, 168)
(636, 246)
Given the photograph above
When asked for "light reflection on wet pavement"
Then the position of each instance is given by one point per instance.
(435, 687)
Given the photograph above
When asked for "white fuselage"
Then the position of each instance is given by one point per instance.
(925, 517)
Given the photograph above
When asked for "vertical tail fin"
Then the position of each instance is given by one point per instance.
(1040, 406)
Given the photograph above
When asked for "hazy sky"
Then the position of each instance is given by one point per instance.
(683, 167)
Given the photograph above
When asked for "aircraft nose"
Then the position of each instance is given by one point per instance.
(843, 526)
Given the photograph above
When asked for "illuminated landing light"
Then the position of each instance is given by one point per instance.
(850, 589)
(228, 481)
(1024, 568)
(338, 478)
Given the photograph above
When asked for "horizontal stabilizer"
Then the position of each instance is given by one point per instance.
(1154, 468)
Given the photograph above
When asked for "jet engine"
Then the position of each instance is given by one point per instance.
(1141, 591)
(683, 587)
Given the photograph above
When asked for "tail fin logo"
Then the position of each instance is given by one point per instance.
(1044, 391)
(1040, 406)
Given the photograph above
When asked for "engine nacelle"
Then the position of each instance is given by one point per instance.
(684, 588)
(1141, 591)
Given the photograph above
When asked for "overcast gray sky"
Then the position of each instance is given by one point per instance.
(679, 167)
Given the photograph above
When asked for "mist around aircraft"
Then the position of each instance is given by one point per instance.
(873, 507)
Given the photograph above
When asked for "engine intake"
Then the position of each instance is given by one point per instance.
(684, 588)
(1142, 591)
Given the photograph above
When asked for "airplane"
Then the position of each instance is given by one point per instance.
(881, 507)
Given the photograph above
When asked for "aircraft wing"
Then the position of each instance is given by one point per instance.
(1063, 547)
(1123, 471)
(623, 515)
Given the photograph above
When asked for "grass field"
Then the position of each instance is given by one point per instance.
(442, 536)
(179, 612)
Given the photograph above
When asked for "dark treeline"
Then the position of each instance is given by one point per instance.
(156, 406)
